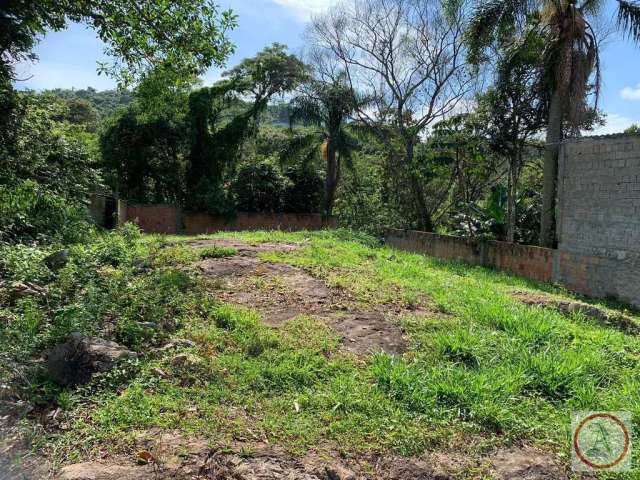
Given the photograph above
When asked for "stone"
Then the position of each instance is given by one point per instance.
(158, 372)
(185, 360)
(178, 343)
(148, 325)
(18, 290)
(76, 360)
(57, 260)
(338, 472)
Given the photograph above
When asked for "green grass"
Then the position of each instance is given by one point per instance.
(482, 369)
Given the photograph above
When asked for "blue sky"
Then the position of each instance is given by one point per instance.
(68, 58)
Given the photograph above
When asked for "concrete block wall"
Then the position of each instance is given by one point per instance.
(531, 262)
(599, 216)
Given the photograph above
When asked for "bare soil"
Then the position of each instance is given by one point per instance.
(171, 457)
(617, 320)
(282, 292)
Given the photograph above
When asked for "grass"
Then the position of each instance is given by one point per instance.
(482, 370)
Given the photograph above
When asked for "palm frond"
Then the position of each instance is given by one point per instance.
(306, 110)
(301, 146)
(629, 18)
(492, 19)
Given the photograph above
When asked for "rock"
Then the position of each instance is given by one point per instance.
(148, 325)
(18, 290)
(158, 372)
(338, 472)
(76, 360)
(57, 260)
(178, 343)
(185, 360)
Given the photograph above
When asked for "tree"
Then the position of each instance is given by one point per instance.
(270, 73)
(570, 64)
(327, 105)
(407, 58)
(221, 122)
(458, 166)
(185, 36)
(145, 145)
(514, 112)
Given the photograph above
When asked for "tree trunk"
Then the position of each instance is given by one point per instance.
(515, 163)
(549, 190)
(331, 182)
(425, 222)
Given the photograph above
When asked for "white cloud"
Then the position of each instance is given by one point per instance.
(630, 93)
(305, 8)
(615, 124)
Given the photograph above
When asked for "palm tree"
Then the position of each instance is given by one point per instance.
(570, 70)
(326, 105)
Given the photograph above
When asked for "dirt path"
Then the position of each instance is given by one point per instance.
(281, 292)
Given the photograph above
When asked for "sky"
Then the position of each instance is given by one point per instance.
(68, 59)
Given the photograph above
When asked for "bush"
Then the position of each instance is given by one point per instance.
(31, 214)
(211, 197)
(260, 187)
(305, 192)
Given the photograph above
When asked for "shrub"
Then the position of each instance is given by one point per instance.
(208, 196)
(305, 192)
(31, 214)
(260, 187)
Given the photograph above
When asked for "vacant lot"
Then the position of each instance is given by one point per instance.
(305, 355)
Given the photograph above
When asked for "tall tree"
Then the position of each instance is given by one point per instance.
(571, 64)
(270, 73)
(327, 105)
(514, 112)
(226, 115)
(407, 57)
(186, 36)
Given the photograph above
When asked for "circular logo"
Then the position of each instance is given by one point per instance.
(601, 441)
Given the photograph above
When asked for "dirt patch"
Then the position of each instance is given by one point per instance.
(618, 320)
(173, 458)
(526, 463)
(281, 292)
(245, 249)
(230, 266)
(17, 461)
(364, 333)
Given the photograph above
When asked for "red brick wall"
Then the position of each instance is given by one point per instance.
(171, 219)
(196, 223)
(531, 262)
(154, 218)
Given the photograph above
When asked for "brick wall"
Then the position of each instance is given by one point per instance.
(531, 262)
(171, 219)
(599, 216)
(154, 218)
